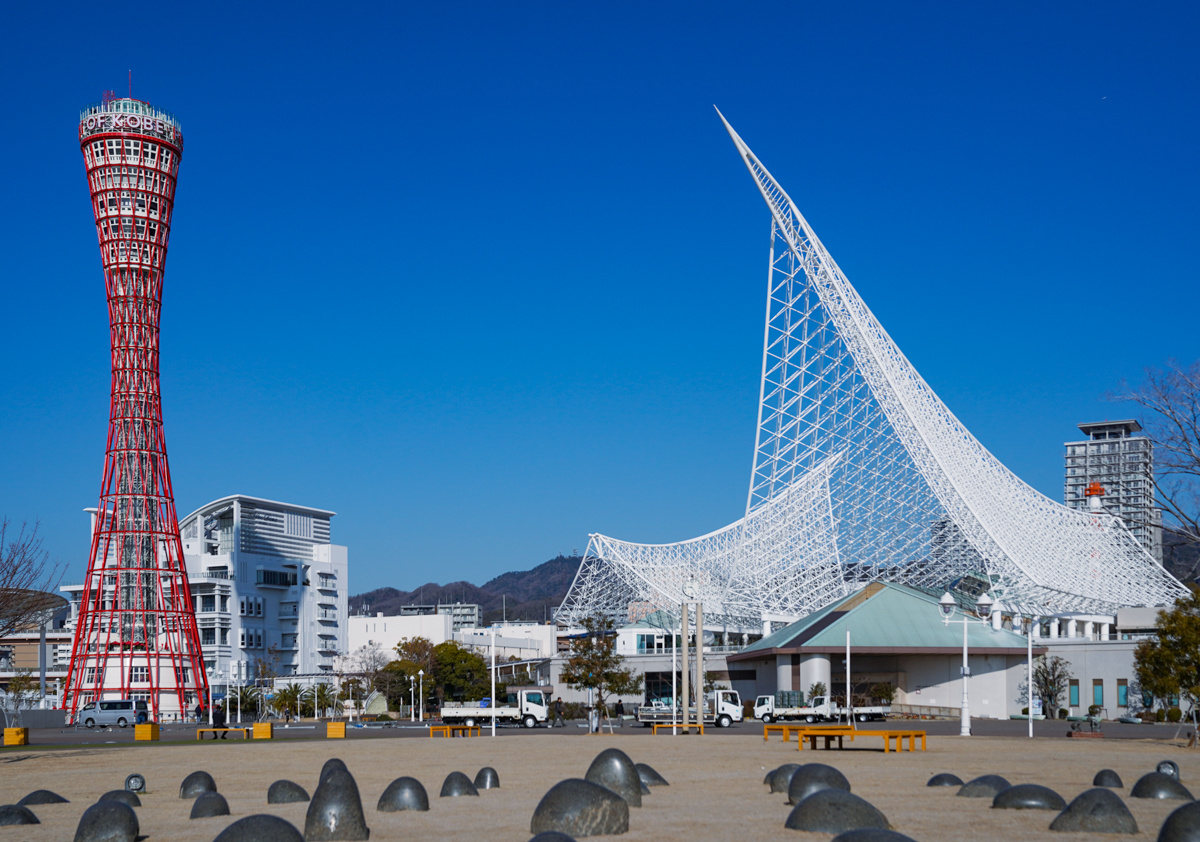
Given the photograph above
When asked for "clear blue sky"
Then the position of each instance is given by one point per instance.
(484, 278)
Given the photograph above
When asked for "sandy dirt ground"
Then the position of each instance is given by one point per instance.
(716, 790)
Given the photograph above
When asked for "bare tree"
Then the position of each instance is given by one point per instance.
(1171, 400)
(26, 574)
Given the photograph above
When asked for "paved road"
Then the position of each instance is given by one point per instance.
(401, 730)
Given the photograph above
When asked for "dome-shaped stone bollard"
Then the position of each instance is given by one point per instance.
(649, 776)
(778, 779)
(945, 779)
(286, 792)
(14, 814)
(42, 796)
(124, 796)
(1095, 811)
(580, 808)
(1107, 777)
(403, 794)
(871, 834)
(812, 777)
(260, 828)
(335, 813)
(457, 784)
(985, 786)
(613, 769)
(196, 783)
(107, 821)
(1160, 786)
(1028, 797)
(331, 763)
(834, 811)
(487, 778)
(209, 804)
(1183, 825)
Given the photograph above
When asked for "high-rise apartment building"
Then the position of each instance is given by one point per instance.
(270, 589)
(1123, 463)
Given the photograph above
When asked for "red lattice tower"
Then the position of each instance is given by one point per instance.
(135, 633)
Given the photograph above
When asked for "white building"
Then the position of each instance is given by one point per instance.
(269, 587)
(523, 641)
(387, 631)
(1123, 464)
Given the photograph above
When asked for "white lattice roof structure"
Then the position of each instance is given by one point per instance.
(862, 473)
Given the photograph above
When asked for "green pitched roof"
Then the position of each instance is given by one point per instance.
(883, 616)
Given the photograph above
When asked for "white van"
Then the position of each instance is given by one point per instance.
(119, 712)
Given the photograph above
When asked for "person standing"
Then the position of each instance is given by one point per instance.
(619, 710)
(219, 721)
(558, 714)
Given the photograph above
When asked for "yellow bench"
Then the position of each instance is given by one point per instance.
(456, 730)
(785, 730)
(200, 732)
(829, 734)
(654, 728)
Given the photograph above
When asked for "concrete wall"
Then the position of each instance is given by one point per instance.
(1104, 661)
(926, 680)
(388, 631)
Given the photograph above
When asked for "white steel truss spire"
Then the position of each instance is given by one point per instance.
(912, 496)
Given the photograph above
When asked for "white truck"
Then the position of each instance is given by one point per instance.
(766, 709)
(523, 705)
(721, 708)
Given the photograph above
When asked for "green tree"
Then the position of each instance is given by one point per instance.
(1170, 664)
(1051, 676)
(817, 688)
(249, 698)
(459, 674)
(595, 664)
(287, 698)
(884, 691)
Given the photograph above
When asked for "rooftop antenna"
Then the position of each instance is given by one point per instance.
(131, 83)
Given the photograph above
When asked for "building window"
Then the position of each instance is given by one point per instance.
(258, 607)
(1122, 692)
(139, 675)
(242, 639)
(208, 604)
(224, 605)
(1074, 693)
(258, 642)
(1098, 692)
(208, 637)
(224, 637)
(89, 675)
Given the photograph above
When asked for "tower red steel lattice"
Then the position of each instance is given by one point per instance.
(135, 632)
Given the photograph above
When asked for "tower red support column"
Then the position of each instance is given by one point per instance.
(135, 632)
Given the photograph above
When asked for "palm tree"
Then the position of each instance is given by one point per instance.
(287, 698)
(326, 697)
(249, 698)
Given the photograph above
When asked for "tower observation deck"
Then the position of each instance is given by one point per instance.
(135, 632)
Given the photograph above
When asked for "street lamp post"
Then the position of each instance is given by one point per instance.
(421, 710)
(983, 609)
(412, 698)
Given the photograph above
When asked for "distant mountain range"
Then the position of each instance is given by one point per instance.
(528, 595)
